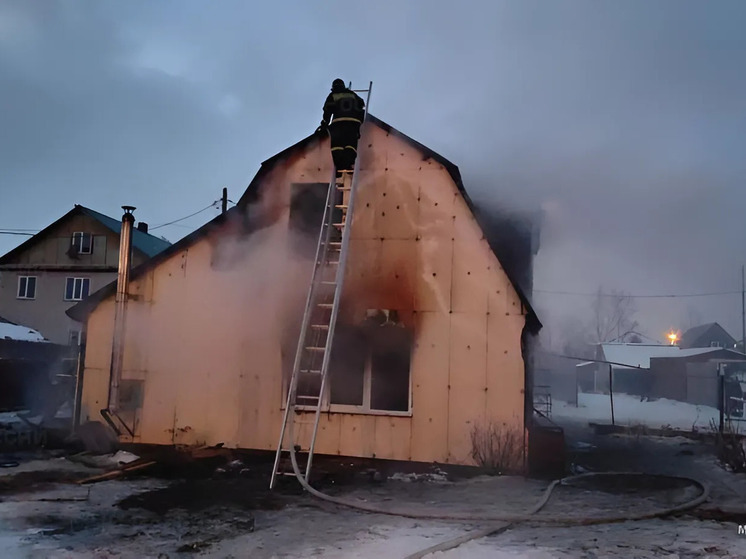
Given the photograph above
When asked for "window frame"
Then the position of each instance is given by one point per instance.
(364, 409)
(82, 283)
(25, 296)
(81, 235)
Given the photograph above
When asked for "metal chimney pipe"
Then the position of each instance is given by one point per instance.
(120, 309)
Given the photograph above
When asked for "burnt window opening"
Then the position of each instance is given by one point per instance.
(131, 394)
(307, 204)
(370, 367)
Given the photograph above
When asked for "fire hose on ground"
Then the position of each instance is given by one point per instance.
(506, 521)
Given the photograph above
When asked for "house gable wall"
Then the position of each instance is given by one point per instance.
(208, 330)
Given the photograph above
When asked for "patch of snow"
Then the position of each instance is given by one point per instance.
(115, 460)
(22, 333)
(439, 476)
(630, 410)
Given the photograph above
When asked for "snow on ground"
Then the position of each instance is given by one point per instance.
(17, 332)
(629, 410)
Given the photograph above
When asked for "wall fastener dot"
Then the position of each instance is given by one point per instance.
(434, 274)
(383, 213)
(436, 203)
(384, 194)
(397, 207)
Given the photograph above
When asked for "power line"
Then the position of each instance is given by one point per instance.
(16, 233)
(186, 217)
(661, 296)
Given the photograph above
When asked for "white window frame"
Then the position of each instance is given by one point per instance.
(75, 281)
(77, 241)
(716, 344)
(25, 296)
(363, 409)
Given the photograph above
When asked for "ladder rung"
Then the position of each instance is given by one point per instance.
(328, 283)
(315, 348)
(320, 326)
(341, 206)
(335, 244)
(338, 225)
(325, 305)
(311, 371)
(344, 188)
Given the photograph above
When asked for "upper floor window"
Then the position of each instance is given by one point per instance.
(27, 287)
(715, 344)
(82, 242)
(76, 289)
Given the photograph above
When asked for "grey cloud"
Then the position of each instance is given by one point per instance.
(627, 118)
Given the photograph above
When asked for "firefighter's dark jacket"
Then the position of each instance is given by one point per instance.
(345, 105)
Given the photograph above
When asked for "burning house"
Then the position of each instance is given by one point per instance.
(433, 335)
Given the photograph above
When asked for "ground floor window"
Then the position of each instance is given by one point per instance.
(370, 367)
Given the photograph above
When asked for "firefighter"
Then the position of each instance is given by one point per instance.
(348, 110)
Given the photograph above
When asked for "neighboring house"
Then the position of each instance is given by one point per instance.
(29, 365)
(59, 266)
(629, 364)
(707, 335)
(213, 323)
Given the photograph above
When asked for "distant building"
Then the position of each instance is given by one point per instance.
(59, 266)
(707, 335)
(629, 364)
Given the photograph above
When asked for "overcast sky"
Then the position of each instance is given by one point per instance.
(625, 121)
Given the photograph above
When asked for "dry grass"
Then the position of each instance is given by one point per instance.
(497, 446)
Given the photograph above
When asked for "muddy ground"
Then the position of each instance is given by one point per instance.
(224, 509)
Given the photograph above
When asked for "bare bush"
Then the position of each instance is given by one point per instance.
(497, 446)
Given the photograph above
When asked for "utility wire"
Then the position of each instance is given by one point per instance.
(187, 216)
(661, 296)
(16, 233)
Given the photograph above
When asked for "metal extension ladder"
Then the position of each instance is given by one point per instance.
(313, 354)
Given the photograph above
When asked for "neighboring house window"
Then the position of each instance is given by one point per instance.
(74, 337)
(76, 289)
(27, 287)
(83, 242)
(715, 344)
